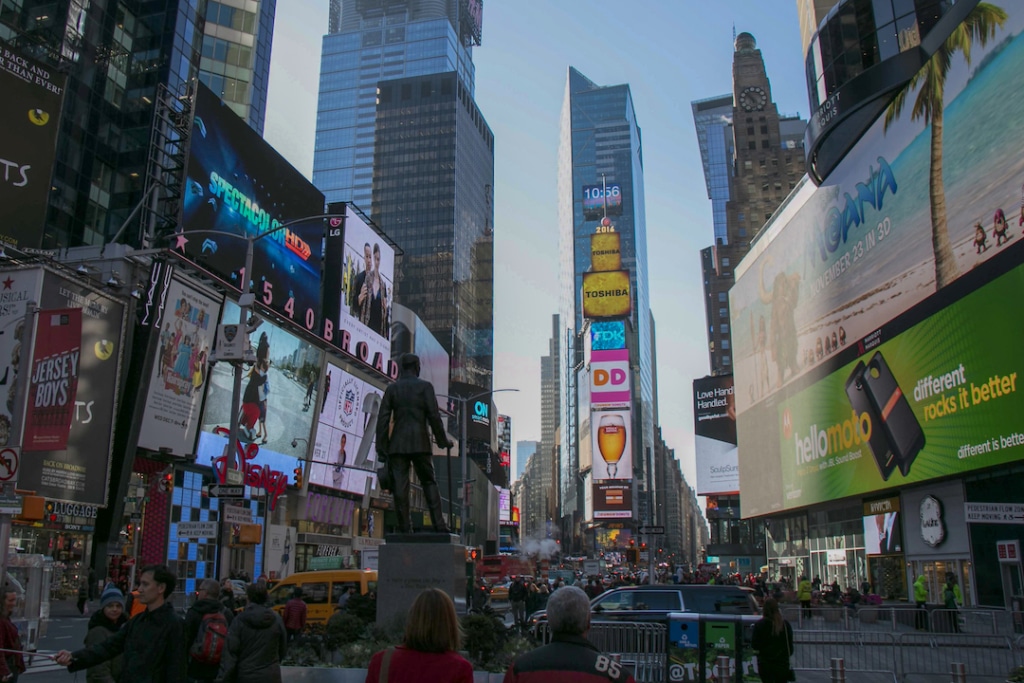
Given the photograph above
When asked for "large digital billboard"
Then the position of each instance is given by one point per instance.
(238, 187)
(873, 323)
(30, 118)
(279, 399)
(714, 416)
(602, 200)
(609, 378)
(344, 455)
(358, 287)
(611, 432)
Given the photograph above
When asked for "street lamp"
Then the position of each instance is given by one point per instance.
(464, 455)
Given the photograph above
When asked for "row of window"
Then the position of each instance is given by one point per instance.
(225, 51)
(231, 17)
(229, 89)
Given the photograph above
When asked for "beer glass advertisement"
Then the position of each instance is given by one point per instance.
(361, 307)
(180, 369)
(613, 449)
(80, 472)
(829, 302)
(344, 454)
(239, 187)
(278, 401)
(30, 118)
(884, 232)
(714, 416)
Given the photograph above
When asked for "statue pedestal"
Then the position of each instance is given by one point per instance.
(410, 563)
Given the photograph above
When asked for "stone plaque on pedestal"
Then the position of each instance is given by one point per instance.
(410, 563)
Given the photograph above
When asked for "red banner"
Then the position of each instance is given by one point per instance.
(54, 380)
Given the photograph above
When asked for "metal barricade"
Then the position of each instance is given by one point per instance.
(922, 656)
(640, 647)
(861, 652)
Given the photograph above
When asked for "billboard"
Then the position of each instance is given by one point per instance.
(279, 399)
(80, 472)
(359, 288)
(607, 335)
(601, 200)
(186, 324)
(611, 431)
(505, 440)
(714, 416)
(872, 323)
(56, 353)
(883, 532)
(504, 506)
(478, 426)
(607, 294)
(344, 455)
(20, 287)
(238, 186)
(613, 501)
(609, 378)
(30, 118)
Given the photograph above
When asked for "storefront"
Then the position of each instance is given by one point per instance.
(325, 524)
(836, 538)
(65, 534)
(883, 546)
(936, 538)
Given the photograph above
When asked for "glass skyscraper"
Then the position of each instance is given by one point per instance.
(116, 55)
(600, 143)
(373, 41)
(713, 119)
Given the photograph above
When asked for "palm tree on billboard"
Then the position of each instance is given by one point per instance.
(979, 27)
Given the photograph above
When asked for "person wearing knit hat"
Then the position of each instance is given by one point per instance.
(106, 621)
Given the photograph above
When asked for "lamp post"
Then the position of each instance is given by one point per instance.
(464, 455)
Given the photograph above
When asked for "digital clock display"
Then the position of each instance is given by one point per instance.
(601, 200)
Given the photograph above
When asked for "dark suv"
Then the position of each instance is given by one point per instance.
(653, 603)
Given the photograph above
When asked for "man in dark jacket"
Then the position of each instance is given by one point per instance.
(517, 596)
(153, 643)
(256, 642)
(569, 657)
(413, 405)
(207, 602)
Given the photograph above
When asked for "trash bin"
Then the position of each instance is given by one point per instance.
(696, 641)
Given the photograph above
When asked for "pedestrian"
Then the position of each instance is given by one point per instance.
(429, 652)
(803, 594)
(346, 595)
(256, 642)
(83, 596)
(295, 615)
(12, 664)
(227, 595)
(107, 621)
(206, 628)
(153, 643)
(569, 656)
(309, 392)
(921, 600)
(517, 596)
(949, 599)
(773, 640)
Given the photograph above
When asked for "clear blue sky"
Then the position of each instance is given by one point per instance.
(670, 52)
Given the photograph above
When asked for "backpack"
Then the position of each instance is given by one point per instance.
(211, 639)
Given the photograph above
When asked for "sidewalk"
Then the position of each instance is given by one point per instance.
(68, 609)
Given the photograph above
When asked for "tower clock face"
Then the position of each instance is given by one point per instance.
(753, 98)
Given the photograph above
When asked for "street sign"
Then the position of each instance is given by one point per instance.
(234, 514)
(197, 529)
(221, 491)
(9, 459)
(10, 502)
(652, 530)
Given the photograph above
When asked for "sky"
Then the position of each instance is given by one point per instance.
(670, 52)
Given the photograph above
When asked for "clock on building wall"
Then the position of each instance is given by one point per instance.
(753, 98)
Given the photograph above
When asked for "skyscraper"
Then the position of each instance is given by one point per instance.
(117, 55)
(600, 147)
(524, 451)
(713, 119)
(433, 176)
(371, 41)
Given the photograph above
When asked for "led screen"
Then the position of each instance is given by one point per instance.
(714, 415)
(612, 444)
(601, 200)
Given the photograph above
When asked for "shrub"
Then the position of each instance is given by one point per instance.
(344, 628)
(484, 640)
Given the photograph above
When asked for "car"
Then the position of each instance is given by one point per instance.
(654, 603)
(499, 591)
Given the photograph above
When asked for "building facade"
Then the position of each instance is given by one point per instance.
(600, 151)
(524, 450)
(371, 42)
(117, 56)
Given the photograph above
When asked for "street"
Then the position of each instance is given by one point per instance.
(65, 631)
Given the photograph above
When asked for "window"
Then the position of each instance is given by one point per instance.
(725, 261)
(765, 144)
(723, 313)
(725, 344)
(620, 600)
(750, 130)
(764, 130)
(726, 360)
(752, 145)
(724, 328)
(667, 601)
(315, 593)
(722, 297)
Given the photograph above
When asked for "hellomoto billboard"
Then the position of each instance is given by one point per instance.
(875, 329)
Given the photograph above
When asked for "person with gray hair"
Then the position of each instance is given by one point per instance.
(569, 657)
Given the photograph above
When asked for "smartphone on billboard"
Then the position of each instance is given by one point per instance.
(906, 438)
(856, 391)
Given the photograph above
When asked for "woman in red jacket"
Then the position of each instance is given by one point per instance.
(11, 663)
(429, 650)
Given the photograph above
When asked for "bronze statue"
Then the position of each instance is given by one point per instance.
(408, 408)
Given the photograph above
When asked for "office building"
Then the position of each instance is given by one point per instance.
(811, 13)
(372, 41)
(117, 56)
(600, 153)
(524, 451)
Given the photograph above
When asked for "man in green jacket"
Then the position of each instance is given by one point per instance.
(803, 594)
(921, 599)
(152, 643)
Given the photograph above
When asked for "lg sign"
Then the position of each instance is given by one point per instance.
(609, 377)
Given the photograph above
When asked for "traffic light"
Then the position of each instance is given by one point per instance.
(130, 532)
(298, 476)
(473, 554)
(167, 482)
